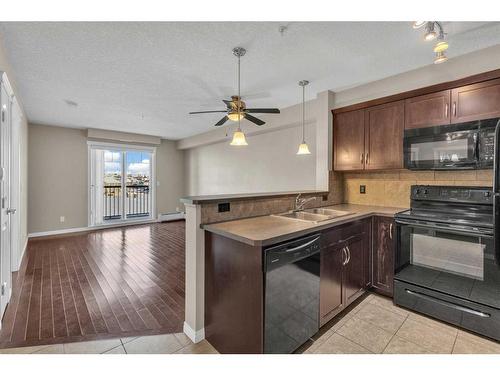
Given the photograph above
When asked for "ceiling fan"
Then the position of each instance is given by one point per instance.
(236, 108)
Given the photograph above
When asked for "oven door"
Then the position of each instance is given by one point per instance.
(441, 148)
(452, 260)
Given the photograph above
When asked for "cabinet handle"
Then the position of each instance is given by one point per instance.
(344, 252)
(454, 109)
(390, 231)
(348, 255)
(446, 109)
(367, 159)
(361, 158)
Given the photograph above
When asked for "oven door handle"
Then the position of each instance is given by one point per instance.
(454, 229)
(448, 304)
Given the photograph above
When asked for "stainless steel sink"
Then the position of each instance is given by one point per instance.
(304, 216)
(314, 214)
(328, 212)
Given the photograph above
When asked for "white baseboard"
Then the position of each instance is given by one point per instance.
(86, 229)
(59, 231)
(171, 216)
(21, 256)
(194, 336)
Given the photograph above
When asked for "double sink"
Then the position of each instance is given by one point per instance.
(314, 215)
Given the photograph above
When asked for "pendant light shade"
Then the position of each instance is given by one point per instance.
(239, 138)
(303, 147)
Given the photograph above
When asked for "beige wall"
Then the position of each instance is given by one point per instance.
(58, 170)
(23, 135)
(57, 166)
(170, 176)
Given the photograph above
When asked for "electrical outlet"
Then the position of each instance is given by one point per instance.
(224, 207)
(362, 189)
(62, 219)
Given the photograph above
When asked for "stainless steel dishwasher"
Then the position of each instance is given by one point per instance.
(291, 274)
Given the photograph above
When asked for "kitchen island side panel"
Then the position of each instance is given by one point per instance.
(234, 292)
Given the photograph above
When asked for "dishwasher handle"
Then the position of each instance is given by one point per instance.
(290, 252)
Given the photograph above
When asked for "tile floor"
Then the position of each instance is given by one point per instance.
(377, 326)
(373, 326)
(177, 343)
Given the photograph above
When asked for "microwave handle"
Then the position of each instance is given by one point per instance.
(475, 153)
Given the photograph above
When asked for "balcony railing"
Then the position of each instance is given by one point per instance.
(137, 201)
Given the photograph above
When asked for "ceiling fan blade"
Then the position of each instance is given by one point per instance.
(262, 110)
(221, 121)
(229, 104)
(255, 120)
(194, 113)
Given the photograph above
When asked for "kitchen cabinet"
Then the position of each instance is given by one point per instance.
(344, 267)
(369, 139)
(384, 127)
(475, 102)
(331, 298)
(383, 255)
(428, 110)
(349, 140)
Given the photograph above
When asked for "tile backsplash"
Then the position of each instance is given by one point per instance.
(274, 205)
(392, 188)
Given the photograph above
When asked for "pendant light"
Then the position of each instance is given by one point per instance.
(238, 136)
(303, 147)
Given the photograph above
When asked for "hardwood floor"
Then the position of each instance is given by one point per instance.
(115, 282)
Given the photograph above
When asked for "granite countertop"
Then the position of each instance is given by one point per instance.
(199, 199)
(269, 230)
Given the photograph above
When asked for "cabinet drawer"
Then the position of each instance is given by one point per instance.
(335, 236)
(472, 316)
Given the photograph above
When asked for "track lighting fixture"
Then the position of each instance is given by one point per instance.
(434, 30)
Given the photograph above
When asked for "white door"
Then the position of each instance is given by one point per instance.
(5, 235)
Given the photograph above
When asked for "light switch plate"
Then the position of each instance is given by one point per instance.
(362, 189)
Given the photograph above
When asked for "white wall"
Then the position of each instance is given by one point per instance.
(268, 164)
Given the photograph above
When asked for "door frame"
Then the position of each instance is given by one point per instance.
(15, 186)
(5, 86)
(120, 147)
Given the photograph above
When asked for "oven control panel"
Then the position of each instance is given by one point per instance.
(452, 194)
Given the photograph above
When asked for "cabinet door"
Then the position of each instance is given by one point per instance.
(331, 299)
(349, 140)
(383, 255)
(384, 127)
(428, 110)
(354, 269)
(476, 102)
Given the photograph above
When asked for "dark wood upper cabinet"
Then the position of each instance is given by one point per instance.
(349, 140)
(384, 128)
(383, 255)
(476, 102)
(428, 110)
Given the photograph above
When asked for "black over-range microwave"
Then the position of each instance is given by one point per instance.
(467, 145)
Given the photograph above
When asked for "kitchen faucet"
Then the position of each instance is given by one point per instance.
(300, 202)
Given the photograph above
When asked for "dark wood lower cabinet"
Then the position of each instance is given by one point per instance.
(383, 255)
(331, 290)
(345, 271)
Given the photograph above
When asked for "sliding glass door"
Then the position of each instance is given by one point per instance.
(121, 184)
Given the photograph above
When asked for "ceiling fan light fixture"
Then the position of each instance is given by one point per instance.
(235, 116)
(418, 24)
(430, 32)
(303, 149)
(440, 58)
(239, 138)
(441, 46)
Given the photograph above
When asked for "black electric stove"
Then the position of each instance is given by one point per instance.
(446, 264)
